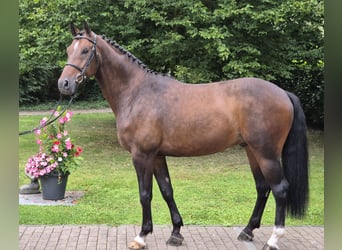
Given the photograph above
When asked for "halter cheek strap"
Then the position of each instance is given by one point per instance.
(81, 76)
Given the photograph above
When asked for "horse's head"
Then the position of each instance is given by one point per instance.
(82, 61)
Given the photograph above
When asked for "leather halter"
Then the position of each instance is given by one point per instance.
(81, 76)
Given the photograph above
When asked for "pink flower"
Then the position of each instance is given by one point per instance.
(55, 145)
(39, 165)
(68, 144)
(55, 148)
(68, 115)
(43, 121)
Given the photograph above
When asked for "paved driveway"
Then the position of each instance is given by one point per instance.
(103, 237)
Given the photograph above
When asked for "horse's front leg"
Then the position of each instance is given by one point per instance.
(144, 169)
(164, 181)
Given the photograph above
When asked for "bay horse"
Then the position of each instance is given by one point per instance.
(159, 116)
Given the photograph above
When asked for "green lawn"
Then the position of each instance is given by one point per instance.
(211, 190)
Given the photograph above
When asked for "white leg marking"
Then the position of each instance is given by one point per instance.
(278, 232)
(140, 240)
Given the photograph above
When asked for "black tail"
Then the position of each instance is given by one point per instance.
(295, 162)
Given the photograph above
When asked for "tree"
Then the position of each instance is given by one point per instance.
(195, 41)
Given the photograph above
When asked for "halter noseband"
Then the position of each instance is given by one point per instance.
(81, 76)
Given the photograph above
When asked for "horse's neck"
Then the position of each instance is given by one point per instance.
(117, 76)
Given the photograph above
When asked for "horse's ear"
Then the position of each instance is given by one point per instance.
(73, 29)
(86, 28)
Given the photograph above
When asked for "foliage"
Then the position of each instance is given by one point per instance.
(57, 153)
(196, 41)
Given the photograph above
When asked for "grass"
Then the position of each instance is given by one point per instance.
(211, 190)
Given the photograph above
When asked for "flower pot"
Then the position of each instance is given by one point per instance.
(53, 186)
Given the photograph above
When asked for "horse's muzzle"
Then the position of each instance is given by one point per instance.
(67, 86)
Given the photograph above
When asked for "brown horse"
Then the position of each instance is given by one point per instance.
(158, 116)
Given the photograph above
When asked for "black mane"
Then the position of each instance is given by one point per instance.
(133, 58)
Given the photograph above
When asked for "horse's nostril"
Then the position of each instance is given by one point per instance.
(66, 84)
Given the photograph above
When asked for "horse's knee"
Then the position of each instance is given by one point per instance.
(145, 198)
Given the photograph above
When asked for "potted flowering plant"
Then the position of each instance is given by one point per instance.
(56, 159)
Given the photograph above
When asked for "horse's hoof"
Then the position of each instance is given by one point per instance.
(135, 246)
(175, 240)
(243, 236)
(268, 247)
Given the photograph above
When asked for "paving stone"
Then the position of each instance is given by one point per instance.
(103, 237)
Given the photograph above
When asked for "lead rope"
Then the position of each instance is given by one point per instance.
(50, 120)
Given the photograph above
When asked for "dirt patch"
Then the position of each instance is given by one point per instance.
(76, 111)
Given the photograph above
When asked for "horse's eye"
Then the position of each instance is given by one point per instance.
(85, 51)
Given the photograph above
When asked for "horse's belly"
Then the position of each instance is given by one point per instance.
(196, 144)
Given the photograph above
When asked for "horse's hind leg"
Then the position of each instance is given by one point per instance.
(163, 178)
(263, 190)
(274, 176)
